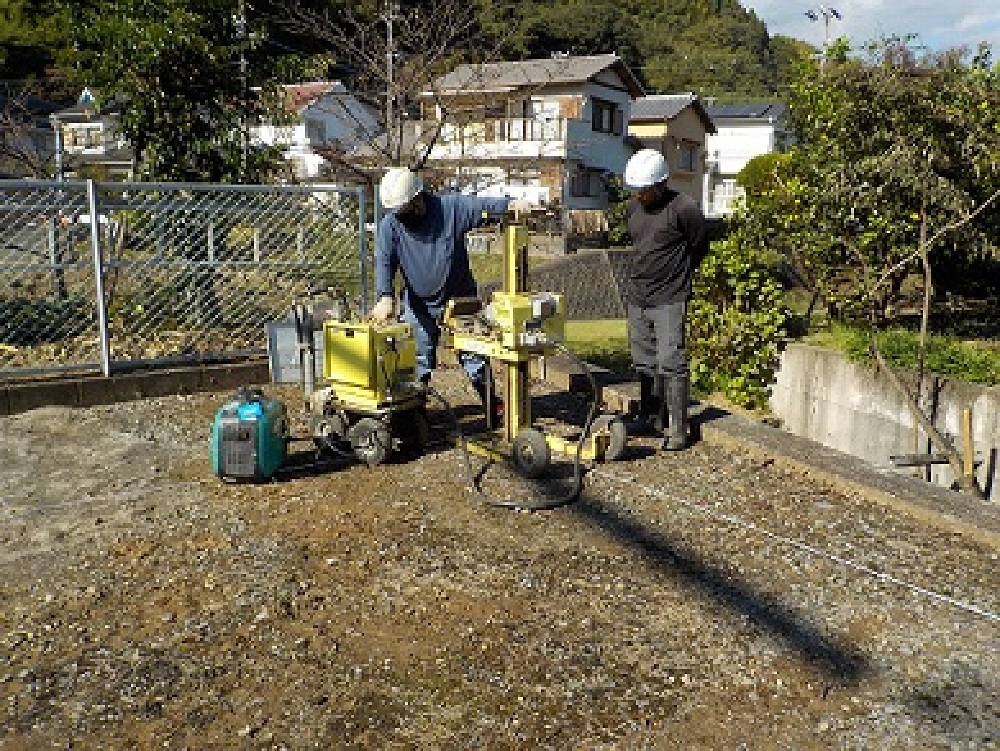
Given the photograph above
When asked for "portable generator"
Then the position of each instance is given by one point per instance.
(249, 437)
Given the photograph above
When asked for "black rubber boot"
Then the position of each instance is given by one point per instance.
(675, 437)
(661, 417)
(649, 420)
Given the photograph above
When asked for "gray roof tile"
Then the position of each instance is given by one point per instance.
(748, 111)
(505, 76)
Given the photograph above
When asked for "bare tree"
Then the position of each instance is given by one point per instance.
(395, 58)
(27, 143)
(914, 401)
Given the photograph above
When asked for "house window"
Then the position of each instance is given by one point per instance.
(84, 138)
(606, 117)
(687, 156)
(316, 131)
(585, 184)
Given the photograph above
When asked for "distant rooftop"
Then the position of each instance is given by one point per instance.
(300, 95)
(768, 111)
(660, 106)
(667, 107)
(507, 76)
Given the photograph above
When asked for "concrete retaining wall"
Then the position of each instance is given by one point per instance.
(852, 408)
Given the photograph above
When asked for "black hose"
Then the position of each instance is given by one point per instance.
(539, 504)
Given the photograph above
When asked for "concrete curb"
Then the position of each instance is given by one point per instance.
(90, 390)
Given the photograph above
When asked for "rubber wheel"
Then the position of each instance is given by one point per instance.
(328, 430)
(371, 440)
(531, 453)
(616, 428)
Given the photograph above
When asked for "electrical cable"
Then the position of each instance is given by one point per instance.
(541, 504)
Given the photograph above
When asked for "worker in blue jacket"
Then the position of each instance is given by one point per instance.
(422, 236)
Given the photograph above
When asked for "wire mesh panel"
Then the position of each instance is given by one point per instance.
(196, 271)
(48, 313)
(181, 271)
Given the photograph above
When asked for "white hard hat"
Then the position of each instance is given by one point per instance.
(399, 185)
(646, 168)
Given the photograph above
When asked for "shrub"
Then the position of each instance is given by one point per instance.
(736, 322)
(943, 355)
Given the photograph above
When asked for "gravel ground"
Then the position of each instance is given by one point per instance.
(703, 600)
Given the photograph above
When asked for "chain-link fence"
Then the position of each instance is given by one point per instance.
(105, 275)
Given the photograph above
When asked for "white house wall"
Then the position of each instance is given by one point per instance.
(735, 145)
(289, 136)
(604, 151)
(343, 119)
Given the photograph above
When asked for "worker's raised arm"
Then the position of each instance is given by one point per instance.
(488, 210)
(386, 259)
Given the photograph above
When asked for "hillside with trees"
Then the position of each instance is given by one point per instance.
(714, 47)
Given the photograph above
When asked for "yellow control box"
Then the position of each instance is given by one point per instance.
(529, 321)
(369, 363)
(519, 327)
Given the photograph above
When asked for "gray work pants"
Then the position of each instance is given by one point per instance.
(656, 338)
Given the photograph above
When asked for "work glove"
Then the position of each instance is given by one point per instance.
(384, 310)
(520, 207)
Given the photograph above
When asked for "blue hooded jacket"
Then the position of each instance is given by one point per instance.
(432, 256)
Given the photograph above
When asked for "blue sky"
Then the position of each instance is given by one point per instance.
(940, 25)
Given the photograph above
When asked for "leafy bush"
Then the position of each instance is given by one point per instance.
(618, 198)
(760, 175)
(736, 322)
(944, 355)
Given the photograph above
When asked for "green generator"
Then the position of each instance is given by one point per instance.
(249, 437)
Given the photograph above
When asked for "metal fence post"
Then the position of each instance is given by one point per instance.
(363, 248)
(55, 257)
(102, 311)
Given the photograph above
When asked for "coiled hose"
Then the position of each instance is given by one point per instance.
(531, 504)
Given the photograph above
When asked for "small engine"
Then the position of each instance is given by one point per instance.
(249, 438)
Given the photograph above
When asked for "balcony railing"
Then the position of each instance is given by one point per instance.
(510, 138)
(518, 129)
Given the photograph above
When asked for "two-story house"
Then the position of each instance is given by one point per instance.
(677, 126)
(88, 142)
(546, 130)
(323, 116)
(743, 130)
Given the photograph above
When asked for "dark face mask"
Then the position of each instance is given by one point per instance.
(651, 196)
(413, 214)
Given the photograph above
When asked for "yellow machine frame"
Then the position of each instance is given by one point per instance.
(525, 326)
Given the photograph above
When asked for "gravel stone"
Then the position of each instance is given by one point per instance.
(706, 599)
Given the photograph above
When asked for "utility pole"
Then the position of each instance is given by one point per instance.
(57, 130)
(826, 14)
(391, 11)
(241, 32)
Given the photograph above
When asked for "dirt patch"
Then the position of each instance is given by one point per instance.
(145, 604)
